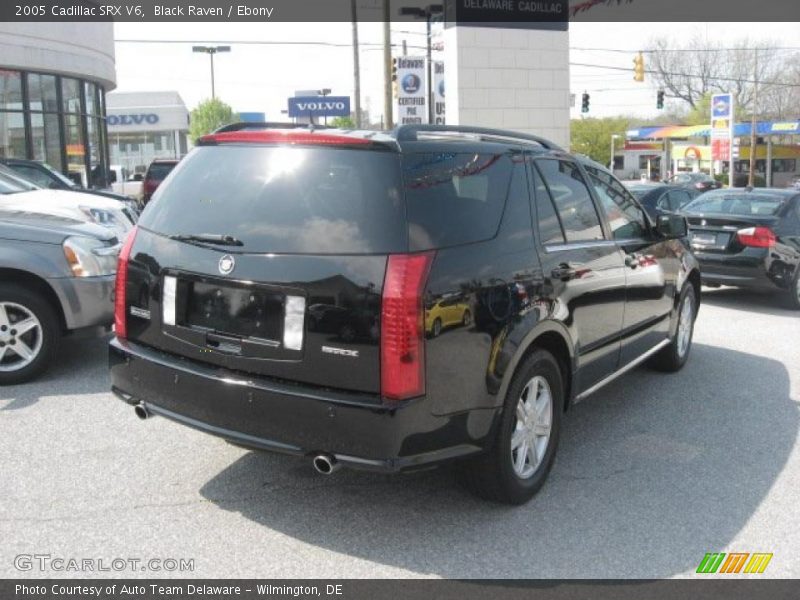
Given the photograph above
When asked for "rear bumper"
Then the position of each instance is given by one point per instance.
(748, 270)
(293, 419)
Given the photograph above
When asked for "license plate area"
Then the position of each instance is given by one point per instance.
(236, 310)
(709, 240)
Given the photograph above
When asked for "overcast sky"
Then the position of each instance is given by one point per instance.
(261, 77)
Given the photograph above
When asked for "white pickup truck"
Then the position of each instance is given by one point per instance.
(126, 183)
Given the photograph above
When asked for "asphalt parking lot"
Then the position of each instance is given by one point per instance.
(653, 472)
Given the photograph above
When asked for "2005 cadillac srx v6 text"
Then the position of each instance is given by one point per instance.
(389, 301)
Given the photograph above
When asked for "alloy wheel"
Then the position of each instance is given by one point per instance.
(21, 336)
(685, 325)
(531, 434)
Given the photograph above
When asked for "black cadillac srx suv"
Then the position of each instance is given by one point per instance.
(276, 290)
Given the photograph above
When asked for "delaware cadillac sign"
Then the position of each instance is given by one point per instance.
(516, 14)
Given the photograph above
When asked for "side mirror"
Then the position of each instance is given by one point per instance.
(672, 226)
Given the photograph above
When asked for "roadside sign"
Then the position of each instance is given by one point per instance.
(438, 93)
(319, 106)
(721, 126)
(412, 105)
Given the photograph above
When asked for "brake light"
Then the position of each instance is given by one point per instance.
(756, 237)
(402, 328)
(120, 318)
(282, 137)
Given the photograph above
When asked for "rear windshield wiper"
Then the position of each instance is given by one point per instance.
(219, 239)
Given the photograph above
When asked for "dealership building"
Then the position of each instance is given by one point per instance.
(53, 83)
(146, 125)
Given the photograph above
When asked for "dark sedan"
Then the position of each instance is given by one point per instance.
(658, 198)
(748, 238)
(697, 181)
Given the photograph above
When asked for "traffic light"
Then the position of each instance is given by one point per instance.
(394, 77)
(585, 103)
(638, 67)
(660, 99)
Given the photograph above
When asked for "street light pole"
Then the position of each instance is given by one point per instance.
(356, 65)
(430, 68)
(324, 92)
(211, 51)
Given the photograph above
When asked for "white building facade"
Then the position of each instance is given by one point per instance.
(146, 125)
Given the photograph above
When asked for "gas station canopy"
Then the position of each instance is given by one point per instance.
(689, 131)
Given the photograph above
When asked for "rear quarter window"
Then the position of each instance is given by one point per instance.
(454, 198)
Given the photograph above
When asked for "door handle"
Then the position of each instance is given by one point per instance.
(563, 272)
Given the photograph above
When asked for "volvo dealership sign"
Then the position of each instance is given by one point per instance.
(132, 119)
(319, 106)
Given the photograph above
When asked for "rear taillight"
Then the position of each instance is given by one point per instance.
(756, 237)
(120, 319)
(402, 328)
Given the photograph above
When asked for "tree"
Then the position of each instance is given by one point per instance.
(343, 122)
(700, 68)
(208, 116)
(592, 136)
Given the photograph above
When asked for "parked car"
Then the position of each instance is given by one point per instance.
(44, 176)
(125, 183)
(660, 198)
(698, 181)
(258, 227)
(748, 238)
(56, 278)
(156, 173)
(11, 183)
(795, 183)
(449, 311)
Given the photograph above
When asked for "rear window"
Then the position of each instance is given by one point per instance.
(285, 199)
(752, 204)
(454, 198)
(159, 171)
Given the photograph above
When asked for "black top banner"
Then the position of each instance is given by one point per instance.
(540, 14)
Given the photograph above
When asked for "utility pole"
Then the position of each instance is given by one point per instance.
(752, 177)
(356, 64)
(387, 66)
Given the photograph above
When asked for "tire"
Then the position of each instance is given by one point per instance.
(19, 304)
(437, 327)
(494, 476)
(466, 320)
(672, 357)
(793, 296)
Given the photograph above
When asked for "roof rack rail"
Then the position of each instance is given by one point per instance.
(410, 133)
(267, 125)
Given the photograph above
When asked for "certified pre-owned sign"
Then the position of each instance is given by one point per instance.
(319, 106)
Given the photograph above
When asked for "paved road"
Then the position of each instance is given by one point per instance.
(653, 472)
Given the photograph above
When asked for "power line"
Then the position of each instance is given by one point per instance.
(693, 75)
(695, 50)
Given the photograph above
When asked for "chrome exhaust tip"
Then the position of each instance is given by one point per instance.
(141, 411)
(325, 464)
